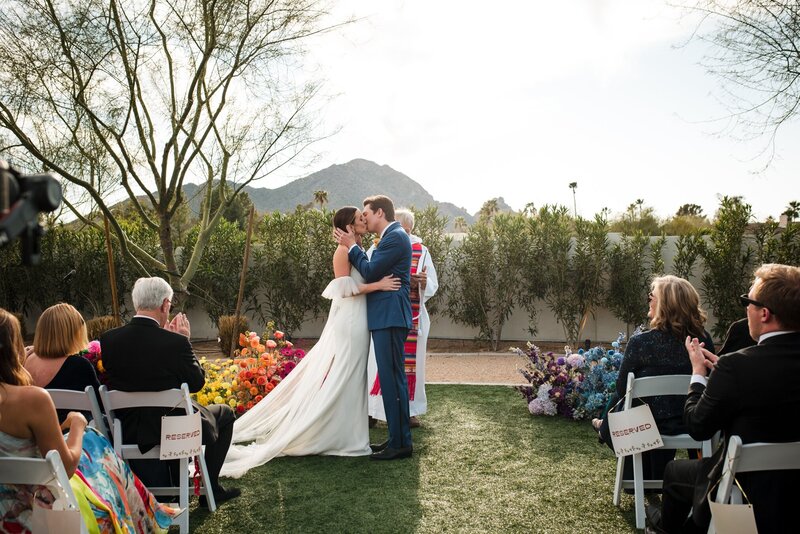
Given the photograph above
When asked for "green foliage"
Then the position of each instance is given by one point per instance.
(685, 224)
(430, 227)
(778, 245)
(729, 262)
(237, 209)
(628, 279)
(687, 249)
(293, 266)
(574, 267)
(487, 270)
(637, 218)
(216, 282)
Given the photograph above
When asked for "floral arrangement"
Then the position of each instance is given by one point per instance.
(576, 385)
(93, 354)
(258, 366)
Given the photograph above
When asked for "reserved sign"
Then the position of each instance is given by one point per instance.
(181, 436)
(634, 431)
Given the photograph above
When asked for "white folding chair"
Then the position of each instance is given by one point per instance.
(649, 387)
(48, 471)
(752, 457)
(83, 401)
(170, 398)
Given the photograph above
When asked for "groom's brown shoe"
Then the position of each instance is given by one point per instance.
(392, 454)
(378, 447)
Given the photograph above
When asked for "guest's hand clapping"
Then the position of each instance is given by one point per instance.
(180, 325)
(702, 359)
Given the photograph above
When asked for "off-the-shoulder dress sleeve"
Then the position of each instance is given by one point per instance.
(341, 287)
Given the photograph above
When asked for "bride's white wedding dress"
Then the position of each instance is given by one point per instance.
(321, 406)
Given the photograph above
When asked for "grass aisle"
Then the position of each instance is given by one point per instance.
(481, 464)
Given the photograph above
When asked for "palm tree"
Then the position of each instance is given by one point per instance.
(459, 224)
(574, 186)
(321, 198)
(640, 203)
(489, 209)
(792, 210)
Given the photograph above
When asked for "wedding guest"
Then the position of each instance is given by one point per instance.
(152, 353)
(111, 498)
(55, 361)
(674, 312)
(424, 284)
(752, 393)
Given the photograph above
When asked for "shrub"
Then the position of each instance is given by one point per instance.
(229, 330)
(99, 325)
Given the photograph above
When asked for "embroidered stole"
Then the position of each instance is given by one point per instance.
(410, 346)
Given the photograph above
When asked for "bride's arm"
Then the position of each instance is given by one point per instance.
(387, 283)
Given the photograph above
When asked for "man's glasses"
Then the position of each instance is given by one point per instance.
(746, 301)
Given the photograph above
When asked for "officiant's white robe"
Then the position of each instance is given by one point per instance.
(420, 403)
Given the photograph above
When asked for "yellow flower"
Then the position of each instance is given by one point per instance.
(232, 403)
(376, 241)
(219, 400)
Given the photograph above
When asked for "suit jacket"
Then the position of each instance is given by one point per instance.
(753, 393)
(142, 356)
(387, 309)
(737, 337)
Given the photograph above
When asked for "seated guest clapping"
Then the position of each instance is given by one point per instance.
(752, 393)
(152, 353)
(674, 312)
(111, 498)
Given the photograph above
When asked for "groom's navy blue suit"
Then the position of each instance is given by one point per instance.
(389, 320)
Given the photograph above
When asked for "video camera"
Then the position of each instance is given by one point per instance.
(22, 199)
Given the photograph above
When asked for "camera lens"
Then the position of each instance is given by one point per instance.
(45, 191)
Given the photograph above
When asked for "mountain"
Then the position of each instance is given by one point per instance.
(347, 185)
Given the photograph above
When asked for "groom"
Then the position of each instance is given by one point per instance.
(388, 317)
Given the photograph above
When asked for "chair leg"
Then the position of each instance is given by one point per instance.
(201, 460)
(183, 519)
(618, 480)
(638, 490)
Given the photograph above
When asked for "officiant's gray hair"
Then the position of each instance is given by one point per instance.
(149, 293)
(405, 217)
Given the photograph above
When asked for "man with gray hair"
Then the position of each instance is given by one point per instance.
(152, 353)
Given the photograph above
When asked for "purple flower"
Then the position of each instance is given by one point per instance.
(560, 361)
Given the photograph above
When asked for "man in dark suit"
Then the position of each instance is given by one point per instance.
(153, 354)
(753, 393)
(388, 317)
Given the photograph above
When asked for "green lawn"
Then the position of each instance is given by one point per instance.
(481, 464)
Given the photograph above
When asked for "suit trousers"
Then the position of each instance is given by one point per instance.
(389, 344)
(680, 485)
(217, 449)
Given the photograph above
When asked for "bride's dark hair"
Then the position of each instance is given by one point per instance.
(344, 216)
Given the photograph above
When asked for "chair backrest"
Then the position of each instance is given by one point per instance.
(37, 471)
(763, 456)
(84, 401)
(651, 386)
(168, 398)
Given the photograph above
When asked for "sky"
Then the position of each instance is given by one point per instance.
(517, 99)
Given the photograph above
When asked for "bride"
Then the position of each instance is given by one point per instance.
(321, 406)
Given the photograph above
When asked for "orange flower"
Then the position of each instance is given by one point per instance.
(270, 386)
(254, 342)
(278, 334)
(247, 384)
(262, 371)
(243, 364)
(248, 405)
(254, 391)
(242, 340)
(261, 348)
(261, 380)
(258, 398)
(271, 344)
(248, 374)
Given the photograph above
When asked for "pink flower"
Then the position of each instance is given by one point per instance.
(299, 353)
(271, 344)
(94, 346)
(278, 334)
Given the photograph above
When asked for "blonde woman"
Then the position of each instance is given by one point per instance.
(55, 362)
(674, 312)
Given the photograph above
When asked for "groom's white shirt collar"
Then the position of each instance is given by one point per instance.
(387, 227)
